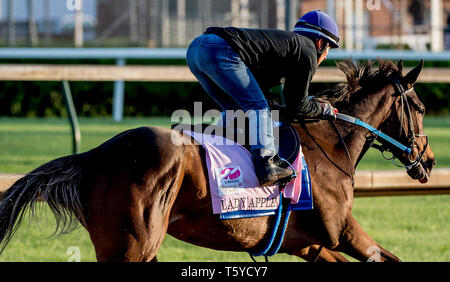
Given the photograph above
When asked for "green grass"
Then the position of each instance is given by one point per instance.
(416, 228)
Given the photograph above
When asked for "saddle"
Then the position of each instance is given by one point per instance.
(286, 137)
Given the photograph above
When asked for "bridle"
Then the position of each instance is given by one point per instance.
(402, 93)
(411, 135)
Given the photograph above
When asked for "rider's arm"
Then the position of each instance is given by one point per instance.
(296, 87)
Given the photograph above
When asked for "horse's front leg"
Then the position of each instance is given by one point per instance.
(357, 243)
(316, 253)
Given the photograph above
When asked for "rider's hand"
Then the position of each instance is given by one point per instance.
(328, 111)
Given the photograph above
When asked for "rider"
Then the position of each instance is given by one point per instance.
(236, 66)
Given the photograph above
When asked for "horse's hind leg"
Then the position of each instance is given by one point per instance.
(356, 243)
(127, 221)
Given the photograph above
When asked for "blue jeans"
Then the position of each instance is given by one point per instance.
(223, 74)
(227, 79)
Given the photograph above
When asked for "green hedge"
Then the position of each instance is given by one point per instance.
(94, 99)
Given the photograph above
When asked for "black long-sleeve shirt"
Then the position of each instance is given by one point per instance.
(273, 54)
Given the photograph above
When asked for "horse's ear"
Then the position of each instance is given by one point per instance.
(412, 76)
(400, 65)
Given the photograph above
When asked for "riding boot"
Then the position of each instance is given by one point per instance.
(264, 155)
(267, 167)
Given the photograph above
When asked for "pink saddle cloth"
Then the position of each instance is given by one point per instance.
(232, 179)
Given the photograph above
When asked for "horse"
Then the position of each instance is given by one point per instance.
(138, 186)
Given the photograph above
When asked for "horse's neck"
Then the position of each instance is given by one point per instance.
(373, 110)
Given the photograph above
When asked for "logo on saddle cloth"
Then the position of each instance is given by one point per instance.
(229, 179)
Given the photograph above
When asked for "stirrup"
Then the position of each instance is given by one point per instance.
(282, 182)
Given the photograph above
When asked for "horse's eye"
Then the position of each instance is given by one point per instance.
(421, 110)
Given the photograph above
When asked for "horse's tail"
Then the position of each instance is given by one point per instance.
(56, 182)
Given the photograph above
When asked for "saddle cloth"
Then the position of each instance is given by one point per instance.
(234, 187)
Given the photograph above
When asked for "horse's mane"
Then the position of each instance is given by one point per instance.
(367, 76)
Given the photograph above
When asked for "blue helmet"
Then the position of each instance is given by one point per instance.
(317, 24)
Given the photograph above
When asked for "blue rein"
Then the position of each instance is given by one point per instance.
(375, 131)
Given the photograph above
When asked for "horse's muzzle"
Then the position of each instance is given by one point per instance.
(422, 170)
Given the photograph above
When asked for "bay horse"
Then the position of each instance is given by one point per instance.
(136, 187)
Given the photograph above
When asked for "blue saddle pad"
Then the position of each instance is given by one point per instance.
(306, 198)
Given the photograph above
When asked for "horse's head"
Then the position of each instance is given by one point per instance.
(405, 124)
(385, 98)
